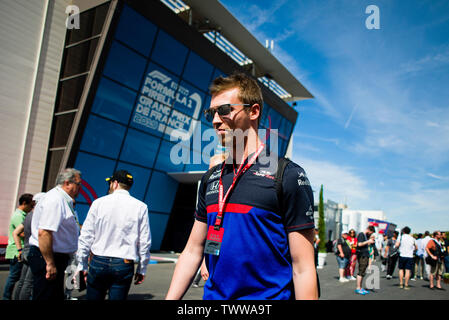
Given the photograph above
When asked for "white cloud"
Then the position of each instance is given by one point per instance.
(340, 183)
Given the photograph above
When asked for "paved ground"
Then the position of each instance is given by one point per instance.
(161, 269)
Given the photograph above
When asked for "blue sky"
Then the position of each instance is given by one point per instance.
(376, 135)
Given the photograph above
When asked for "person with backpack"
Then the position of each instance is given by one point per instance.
(257, 242)
(343, 253)
(435, 256)
(392, 254)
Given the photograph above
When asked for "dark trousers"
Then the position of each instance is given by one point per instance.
(391, 264)
(109, 275)
(15, 269)
(44, 289)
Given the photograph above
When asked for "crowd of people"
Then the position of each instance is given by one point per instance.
(46, 237)
(416, 256)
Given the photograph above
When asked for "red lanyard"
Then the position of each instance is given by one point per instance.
(240, 171)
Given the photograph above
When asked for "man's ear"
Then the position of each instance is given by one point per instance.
(254, 113)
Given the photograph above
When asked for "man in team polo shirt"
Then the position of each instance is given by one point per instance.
(253, 249)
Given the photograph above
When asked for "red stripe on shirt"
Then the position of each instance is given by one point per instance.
(230, 207)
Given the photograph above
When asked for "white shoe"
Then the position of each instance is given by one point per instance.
(343, 280)
(353, 278)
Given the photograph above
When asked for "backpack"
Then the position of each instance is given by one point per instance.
(282, 163)
(335, 247)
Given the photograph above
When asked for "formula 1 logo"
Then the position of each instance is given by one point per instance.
(159, 75)
(159, 101)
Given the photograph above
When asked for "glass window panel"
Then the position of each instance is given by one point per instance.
(158, 223)
(274, 119)
(140, 177)
(140, 148)
(198, 71)
(188, 100)
(91, 24)
(161, 192)
(152, 111)
(136, 31)
(206, 105)
(172, 157)
(113, 101)
(125, 66)
(102, 137)
(264, 119)
(81, 210)
(94, 171)
(196, 162)
(217, 73)
(70, 93)
(169, 52)
(79, 58)
(62, 126)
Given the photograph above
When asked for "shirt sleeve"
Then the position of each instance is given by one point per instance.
(297, 199)
(144, 242)
(51, 215)
(201, 211)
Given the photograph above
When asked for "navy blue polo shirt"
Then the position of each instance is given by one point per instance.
(254, 261)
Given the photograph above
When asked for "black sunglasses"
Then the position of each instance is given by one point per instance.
(222, 110)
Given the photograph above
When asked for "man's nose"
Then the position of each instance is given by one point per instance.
(217, 119)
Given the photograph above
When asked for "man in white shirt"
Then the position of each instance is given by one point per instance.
(117, 232)
(407, 246)
(54, 236)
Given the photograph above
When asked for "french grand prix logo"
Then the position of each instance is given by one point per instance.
(159, 93)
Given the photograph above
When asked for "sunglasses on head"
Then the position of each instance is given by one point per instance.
(223, 110)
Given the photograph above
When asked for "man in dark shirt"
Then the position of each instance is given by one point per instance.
(255, 247)
(343, 255)
(363, 241)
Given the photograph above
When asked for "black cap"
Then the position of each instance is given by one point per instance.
(121, 176)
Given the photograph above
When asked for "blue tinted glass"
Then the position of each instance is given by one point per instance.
(139, 148)
(197, 163)
(169, 52)
(189, 100)
(206, 105)
(136, 31)
(125, 66)
(264, 120)
(217, 73)
(161, 192)
(81, 210)
(102, 137)
(172, 157)
(198, 71)
(158, 224)
(94, 171)
(113, 101)
(157, 94)
(286, 128)
(140, 177)
(274, 119)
